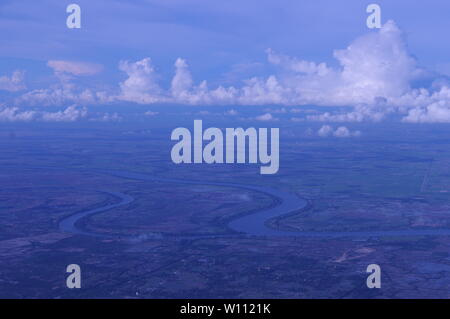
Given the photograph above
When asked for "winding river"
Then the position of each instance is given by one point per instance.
(253, 224)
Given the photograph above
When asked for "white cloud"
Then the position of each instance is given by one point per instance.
(62, 95)
(373, 79)
(359, 114)
(232, 112)
(438, 112)
(296, 65)
(13, 83)
(66, 91)
(70, 114)
(184, 91)
(12, 114)
(182, 81)
(151, 113)
(342, 132)
(266, 117)
(141, 85)
(376, 66)
(74, 67)
(106, 117)
(276, 111)
(325, 130)
(264, 91)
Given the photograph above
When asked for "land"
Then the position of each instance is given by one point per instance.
(395, 176)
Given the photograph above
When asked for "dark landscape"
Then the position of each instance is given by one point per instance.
(174, 241)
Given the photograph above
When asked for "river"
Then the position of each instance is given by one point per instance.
(253, 224)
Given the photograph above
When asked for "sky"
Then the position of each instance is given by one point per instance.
(203, 52)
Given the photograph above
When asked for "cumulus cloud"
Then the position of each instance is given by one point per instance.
(259, 91)
(266, 117)
(375, 66)
(70, 114)
(66, 91)
(373, 78)
(141, 85)
(325, 130)
(297, 65)
(13, 114)
(438, 112)
(62, 95)
(342, 131)
(184, 91)
(182, 81)
(13, 83)
(359, 114)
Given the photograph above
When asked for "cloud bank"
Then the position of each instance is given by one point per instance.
(341, 132)
(72, 113)
(373, 67)
(375, 76)
(13, 83)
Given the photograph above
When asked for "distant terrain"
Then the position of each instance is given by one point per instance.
(392, 177)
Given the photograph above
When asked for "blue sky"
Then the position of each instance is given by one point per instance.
(214, 36)
(132, 47)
